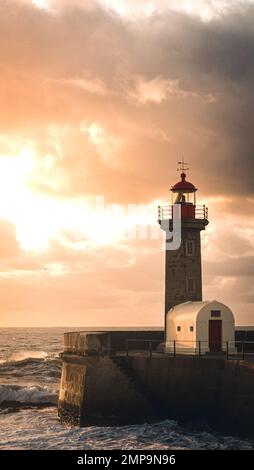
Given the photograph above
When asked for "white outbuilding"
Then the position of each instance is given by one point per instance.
(194, 327)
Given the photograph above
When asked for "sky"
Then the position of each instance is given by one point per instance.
(99, 100)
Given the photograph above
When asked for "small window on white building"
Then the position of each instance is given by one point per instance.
(191, 328)
(178, 328)
(190, 285)
(215, 313)
(190, 247)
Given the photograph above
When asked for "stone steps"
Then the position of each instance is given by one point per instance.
(152, 400)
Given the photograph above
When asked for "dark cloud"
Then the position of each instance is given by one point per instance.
(155, 88)
(237, 267)
(213, 58)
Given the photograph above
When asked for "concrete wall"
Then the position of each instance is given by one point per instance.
(203, 389)
(96, 390)
(71, 392)
(244, 333)
(84, 342)
(103, 342)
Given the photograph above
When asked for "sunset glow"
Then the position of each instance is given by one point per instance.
(99, 100)
(39, 218)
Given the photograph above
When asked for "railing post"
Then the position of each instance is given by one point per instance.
(227, 349)
(127, 348)
(199, 348)
(174, 348)
(243, 351)
(150, 349)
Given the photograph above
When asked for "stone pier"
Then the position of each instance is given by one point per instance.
(102, 385)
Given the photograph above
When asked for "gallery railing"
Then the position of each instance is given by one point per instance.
(166, 212)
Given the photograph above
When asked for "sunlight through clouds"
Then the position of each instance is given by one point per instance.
(102, 98)
(43, 4)
(39, 218)
(133, 9)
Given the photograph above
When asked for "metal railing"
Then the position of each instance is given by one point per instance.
(151, 346)
(240, 350)
(166, 212)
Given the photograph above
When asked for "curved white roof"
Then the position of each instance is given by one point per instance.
(190, 310)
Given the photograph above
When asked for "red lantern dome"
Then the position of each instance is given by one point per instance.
(183, 186)
(184, 193)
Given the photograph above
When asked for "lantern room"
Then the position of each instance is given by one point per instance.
(184, 193)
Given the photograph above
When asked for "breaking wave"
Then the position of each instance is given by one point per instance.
(34, 395)
(24, 355)
(28, 356)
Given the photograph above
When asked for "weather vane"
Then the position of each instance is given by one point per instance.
(183, 166)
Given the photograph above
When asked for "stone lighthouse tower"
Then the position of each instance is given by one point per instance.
(183, 276)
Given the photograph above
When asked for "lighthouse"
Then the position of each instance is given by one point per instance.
(183, 274)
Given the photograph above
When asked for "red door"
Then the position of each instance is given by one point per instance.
(215, 335)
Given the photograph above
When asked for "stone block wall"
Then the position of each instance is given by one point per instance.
(95, 389)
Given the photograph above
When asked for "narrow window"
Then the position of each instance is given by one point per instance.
(190, 285)
(190, 247)
(178, 328)
(191, 328)
(215, 313)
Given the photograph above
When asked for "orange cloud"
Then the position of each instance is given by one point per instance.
(95, 102)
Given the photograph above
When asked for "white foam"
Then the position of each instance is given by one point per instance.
(23, 355)
(33, 394)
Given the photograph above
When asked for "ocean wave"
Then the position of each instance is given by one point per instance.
(26, 357)
(35, 395)
(40, 429)
(23, 355)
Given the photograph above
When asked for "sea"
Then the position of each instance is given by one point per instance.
(30, 370)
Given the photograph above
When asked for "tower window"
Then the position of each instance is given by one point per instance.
(215, 313)
(190, 285)
(178, 328)
(190, 247)
(191, 328)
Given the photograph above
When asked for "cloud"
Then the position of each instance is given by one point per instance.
(9, 247)
(50, 286)
(108, 103)
(93, 85)
(159, 89)
(87, 65)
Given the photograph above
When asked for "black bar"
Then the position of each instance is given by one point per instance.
(174, 348)
(243, 351)
(82, 458)
(227, 349)
(199, 348)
